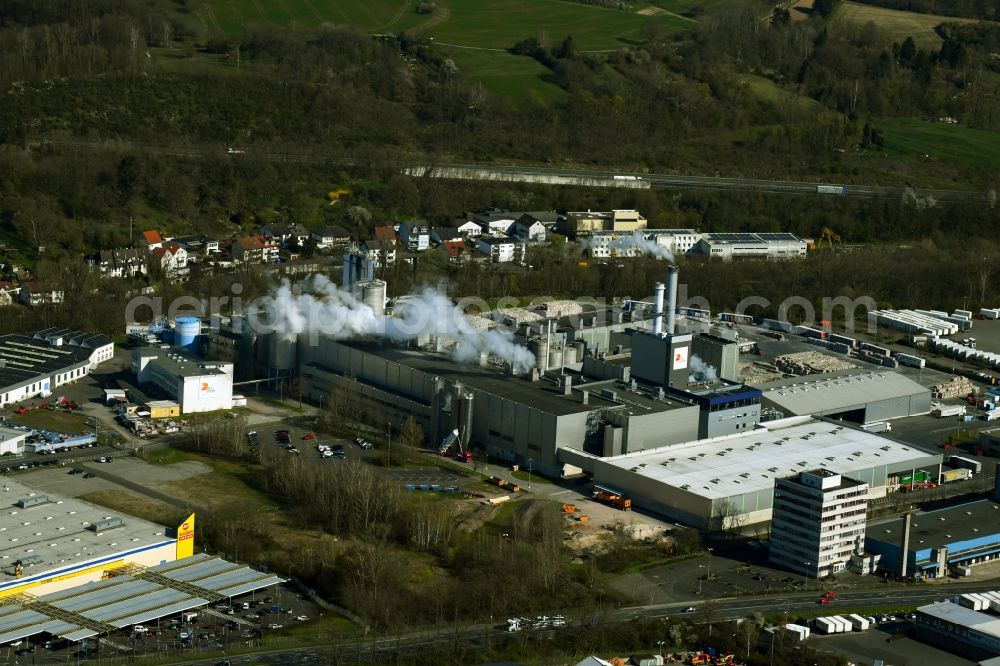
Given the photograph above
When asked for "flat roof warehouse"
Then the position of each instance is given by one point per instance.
(55, 535)
(752, 461)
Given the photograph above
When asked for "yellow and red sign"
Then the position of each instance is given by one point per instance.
(185, 538)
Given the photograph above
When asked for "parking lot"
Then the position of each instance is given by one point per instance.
(201, 633)
(866, 646)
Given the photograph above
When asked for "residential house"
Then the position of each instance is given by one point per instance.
(470, 229)
(529, 229)
(502, 250)
(444, 234)
(382, 252)
(291, 233)
(153, 239)
(500, 227)
(456, 251)
(329, 236)
(121, 263)
(172, 258)
(198, 247)
(254, 249)
(548, 218)
(415, 235)
(496, 221)
(385, 232)
(40, 293)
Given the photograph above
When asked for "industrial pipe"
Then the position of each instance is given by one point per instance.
(672, 300)
(658, 309)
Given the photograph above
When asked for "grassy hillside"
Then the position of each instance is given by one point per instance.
(473, 23)
(938, 141)
(897, 24)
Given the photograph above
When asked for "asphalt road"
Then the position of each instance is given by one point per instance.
(531, 173)
(719, 610)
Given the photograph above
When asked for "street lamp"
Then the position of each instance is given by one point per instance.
(700, 578)
(659, 646)
(529, 475)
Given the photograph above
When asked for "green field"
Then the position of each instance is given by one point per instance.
(472, 23)
(897, 24)
(506, 74)
(233, 16)
(923, 139)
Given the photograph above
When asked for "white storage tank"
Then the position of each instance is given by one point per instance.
(569, 355)
(372, 294)
(555, 357)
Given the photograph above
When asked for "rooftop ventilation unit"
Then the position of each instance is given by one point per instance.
(25, 502)
(31, 559)
(106, 524)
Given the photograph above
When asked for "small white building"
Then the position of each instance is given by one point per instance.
(502, 250)
(195, 384)
(12, 441)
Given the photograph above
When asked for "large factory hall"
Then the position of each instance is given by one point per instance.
(644, 396)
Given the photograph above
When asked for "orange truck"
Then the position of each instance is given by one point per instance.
(614, 499)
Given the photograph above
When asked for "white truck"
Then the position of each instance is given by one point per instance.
(859, 623)
(878, 426)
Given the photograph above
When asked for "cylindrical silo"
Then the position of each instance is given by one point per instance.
(372, 294)
(569, 355)
(540, 348)
(555, 357)
(186, 332)
(282, 351)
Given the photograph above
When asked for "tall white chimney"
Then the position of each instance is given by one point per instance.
(658, 308)
(672, 300)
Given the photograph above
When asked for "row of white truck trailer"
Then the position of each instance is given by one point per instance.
(840, 624)
(980, 601)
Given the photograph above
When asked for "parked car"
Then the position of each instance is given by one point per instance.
(89, 475)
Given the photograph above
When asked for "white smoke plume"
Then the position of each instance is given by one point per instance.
(635, 241)
(321, 307)
(701, 371)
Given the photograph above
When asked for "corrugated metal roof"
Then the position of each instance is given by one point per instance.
(126, 600)
(827, 395)
(249, 587)
(750, 462)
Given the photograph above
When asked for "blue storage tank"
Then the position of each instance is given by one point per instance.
(186, 332)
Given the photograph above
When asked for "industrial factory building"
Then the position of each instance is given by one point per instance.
(195, 384)
(959, 630)
(864, 397)
(32, 365)
(514, 418)
(939, 541)
(730, 480)
(729, 246)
